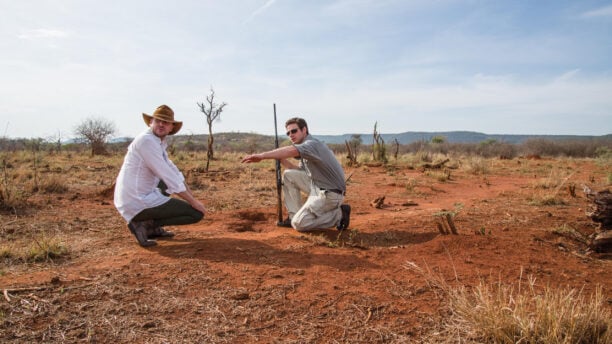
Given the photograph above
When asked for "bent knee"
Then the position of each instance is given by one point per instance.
(295, 224)
(293, 174)
(198, 216)
(301, 226)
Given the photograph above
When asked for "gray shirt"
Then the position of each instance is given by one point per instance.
(321, 164)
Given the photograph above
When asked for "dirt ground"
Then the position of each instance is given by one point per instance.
(235, 277)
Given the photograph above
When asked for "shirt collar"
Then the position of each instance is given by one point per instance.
(150, 132)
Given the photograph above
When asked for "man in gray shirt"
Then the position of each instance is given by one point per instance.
(318, 175)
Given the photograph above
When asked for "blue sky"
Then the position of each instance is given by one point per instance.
(498, 67)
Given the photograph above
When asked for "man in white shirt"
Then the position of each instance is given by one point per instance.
(147, 178)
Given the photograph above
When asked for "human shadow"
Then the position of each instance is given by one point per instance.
(256, 252)
(386, 238)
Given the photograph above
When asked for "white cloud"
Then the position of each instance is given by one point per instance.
(568, 75)
(42, 33)
(259, 10)
(605, 11)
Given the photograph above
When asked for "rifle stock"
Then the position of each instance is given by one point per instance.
(279, 205)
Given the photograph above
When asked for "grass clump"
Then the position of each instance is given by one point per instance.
(319, 240)
(477, 166)
(411, 185)
(11, 197)
(41, 250)
(45, 249)
(500, 314)
(53, 184)
(6, 253)
(547, 200)
(341, 240)
(555, 180)
(441, 176)
(569, 232)
(497, 313)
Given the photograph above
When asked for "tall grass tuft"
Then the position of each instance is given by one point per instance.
(53, 184)
(500, 314)
(11, 197)
(477, 166)
(497, 313)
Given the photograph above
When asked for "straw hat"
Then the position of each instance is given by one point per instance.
(163, 113)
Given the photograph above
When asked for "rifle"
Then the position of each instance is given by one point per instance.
(279, 205)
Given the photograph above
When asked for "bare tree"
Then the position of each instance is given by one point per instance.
(54, 143)
(95, 131)
(396, 144)
(212, 112)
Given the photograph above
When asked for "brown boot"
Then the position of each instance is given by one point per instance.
(139, 229)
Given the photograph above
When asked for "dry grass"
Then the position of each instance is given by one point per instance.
(555, 179)
(441, 176)
(348, 238)
(113, 309)
(188, 304)
(477, 165)
(12, 197)
(547, 190)
(41, 249)
(45, 249)
(53, 184)
(498, 313)
(546, 200)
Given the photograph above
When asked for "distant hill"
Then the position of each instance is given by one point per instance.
(257, 141)
(455, 137)
(252, 142)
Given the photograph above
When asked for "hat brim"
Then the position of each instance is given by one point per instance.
(177, 125)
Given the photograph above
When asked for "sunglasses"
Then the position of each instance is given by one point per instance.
(292, 131)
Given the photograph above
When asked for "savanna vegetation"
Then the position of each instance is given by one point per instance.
(518, 268)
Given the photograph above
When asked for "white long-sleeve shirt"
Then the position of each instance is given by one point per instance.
(145, 164)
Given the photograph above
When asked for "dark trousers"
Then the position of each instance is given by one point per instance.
(174, 212)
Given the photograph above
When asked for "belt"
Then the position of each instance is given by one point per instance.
(338, 191)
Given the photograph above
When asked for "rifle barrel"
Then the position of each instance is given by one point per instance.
(279, 205)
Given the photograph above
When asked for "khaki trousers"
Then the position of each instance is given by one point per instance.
(321, 209)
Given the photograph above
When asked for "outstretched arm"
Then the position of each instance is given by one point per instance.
(279, 153)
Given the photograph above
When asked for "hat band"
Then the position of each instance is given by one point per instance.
(164, 118)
